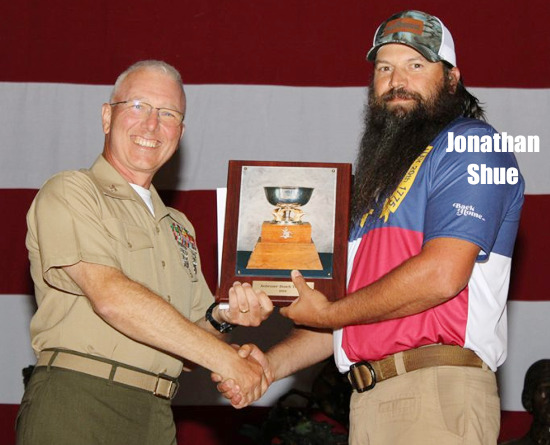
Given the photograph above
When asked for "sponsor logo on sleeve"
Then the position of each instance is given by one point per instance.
(467, 210)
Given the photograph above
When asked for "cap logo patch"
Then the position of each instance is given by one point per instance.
(404, 24)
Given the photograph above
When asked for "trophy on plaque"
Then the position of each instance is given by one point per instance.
(285, 241)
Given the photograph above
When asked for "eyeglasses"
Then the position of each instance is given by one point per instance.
(142, 110)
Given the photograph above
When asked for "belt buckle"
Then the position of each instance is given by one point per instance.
(165, 388)
(357, 376)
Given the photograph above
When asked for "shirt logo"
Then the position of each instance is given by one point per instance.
(188, 248)
(467, 210)
(394, 201)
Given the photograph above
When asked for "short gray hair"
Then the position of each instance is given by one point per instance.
(157, 65)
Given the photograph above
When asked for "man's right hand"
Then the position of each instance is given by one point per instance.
(231, 388)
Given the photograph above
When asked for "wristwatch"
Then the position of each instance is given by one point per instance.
(223, 327)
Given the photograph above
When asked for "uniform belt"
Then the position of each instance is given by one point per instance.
(158, 385)
(364, 375)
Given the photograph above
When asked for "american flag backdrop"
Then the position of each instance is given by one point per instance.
(265, 80)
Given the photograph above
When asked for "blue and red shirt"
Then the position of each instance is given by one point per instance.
(434, 200)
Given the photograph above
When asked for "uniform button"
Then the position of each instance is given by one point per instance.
(163, 263)
(157, 229)
(169, 298)
(129, 244)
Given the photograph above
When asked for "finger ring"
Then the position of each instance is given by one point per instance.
(244, 311)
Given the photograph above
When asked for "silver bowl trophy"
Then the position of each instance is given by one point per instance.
(287, 202)
(285, 241)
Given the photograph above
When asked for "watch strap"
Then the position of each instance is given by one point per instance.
(223, 327)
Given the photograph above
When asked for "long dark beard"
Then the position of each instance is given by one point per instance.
(393, 140)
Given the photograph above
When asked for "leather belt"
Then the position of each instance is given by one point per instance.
(158, 385)
(363, 376)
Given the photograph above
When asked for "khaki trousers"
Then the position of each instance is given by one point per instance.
(65, 407)
(446, 405)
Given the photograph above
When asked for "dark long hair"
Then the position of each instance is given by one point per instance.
(471, 107)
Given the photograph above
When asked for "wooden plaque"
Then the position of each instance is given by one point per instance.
(264, 241)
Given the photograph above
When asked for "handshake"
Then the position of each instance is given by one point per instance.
(252, 381)
(250, 372)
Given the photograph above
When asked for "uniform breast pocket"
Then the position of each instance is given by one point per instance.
(133, 247)
(131, 237)
(137, 238)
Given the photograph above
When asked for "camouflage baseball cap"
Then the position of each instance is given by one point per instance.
(422, 32)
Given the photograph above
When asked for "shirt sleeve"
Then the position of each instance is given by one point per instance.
(473, 212)
(65, 224)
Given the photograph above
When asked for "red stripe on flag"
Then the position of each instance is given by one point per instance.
(530, 255)
(8, 414)
(198, 205)
(514, 424)
(271, 43)
(530, 260)
(219, 425)
(13, 259)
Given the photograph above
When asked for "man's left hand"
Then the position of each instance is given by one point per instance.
(247, 307)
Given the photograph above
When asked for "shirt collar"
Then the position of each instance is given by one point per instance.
(112, 184)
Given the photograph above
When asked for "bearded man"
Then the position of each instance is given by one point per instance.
(422, 328)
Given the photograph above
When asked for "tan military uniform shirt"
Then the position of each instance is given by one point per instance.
(95, 216)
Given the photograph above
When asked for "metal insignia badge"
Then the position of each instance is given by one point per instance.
(188, 248)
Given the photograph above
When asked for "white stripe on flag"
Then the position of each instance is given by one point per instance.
(53, 127)
(528, 342)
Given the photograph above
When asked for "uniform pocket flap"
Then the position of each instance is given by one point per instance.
(133, 237)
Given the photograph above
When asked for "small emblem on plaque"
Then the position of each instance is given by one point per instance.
(286, 234)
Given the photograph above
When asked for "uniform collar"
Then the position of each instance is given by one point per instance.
(114, 185)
